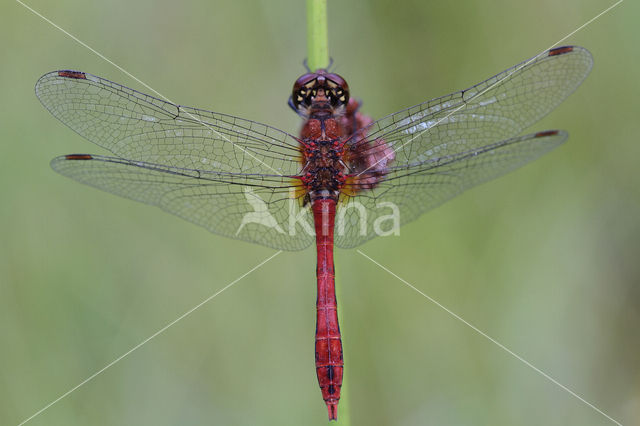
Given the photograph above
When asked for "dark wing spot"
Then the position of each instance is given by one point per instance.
(72, 74)
(546, 133)
(560, 50)
(78, 157)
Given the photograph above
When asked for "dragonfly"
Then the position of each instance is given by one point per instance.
(342, 181)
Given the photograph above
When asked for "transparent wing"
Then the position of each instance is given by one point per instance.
(409, 191)
(496, 109)
(422, 156)
(254, 208)
(140, 127)
(225, 173)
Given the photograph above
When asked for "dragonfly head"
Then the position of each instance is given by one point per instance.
(320, 89)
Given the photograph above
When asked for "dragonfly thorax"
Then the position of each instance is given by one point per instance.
(322, 146)
(324, 170)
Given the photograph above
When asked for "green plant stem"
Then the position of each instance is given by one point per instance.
(317, 37)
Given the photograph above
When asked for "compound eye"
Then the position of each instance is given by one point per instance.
(338, 97)
(300, 96)
(341, 95)
(338, 89)
(302, 89)
(305, 95)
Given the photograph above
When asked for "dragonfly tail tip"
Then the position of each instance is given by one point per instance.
(332, 406)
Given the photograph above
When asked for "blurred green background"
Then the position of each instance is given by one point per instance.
(546, 260)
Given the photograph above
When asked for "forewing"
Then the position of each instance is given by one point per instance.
(140, 127)
(246, 207)
(496, 109)
(419, 187)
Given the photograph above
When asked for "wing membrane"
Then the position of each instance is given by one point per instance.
(236, 177)
(140, 127)
(418, 188)
(424, 155)
(252, 208)
(496, 109)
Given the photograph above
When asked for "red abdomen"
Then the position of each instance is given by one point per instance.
(329, 363)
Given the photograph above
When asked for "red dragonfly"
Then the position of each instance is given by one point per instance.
(359, 178)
